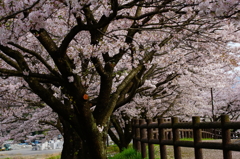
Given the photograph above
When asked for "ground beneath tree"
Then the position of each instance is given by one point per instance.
(187, 153)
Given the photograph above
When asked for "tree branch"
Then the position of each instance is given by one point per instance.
(38, 57)
(72, 33)
(9, 61)
(98, 66)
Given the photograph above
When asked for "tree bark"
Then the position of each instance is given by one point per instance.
(72, 143)
(75, 148)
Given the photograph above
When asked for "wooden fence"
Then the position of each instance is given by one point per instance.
(143, 134)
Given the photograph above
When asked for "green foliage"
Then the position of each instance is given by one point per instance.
(129, 153)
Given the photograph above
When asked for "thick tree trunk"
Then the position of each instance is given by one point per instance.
(72, 146)
(76, 147)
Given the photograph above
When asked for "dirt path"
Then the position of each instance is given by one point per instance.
(188, 153)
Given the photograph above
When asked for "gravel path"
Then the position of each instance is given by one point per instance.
(188, 153)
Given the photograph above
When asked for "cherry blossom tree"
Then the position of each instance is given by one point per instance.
(22, 113)
(222, 101)
(184, 96)
(86, 59)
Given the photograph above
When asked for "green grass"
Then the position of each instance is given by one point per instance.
(129, 153)
(112, 150)
(191, 139)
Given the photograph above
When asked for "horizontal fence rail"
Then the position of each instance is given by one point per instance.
(147, 132)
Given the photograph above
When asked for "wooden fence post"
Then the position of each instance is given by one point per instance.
(150, 136)
(142, 136)
(177, 149)
(226, 137)
(161, 133)
(136, 135)
(197, 137)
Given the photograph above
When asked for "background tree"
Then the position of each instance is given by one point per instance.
(20, 115)
(225, 101)
(184, 96)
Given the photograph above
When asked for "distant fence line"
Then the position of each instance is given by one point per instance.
(188, 133)
(149, 132)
